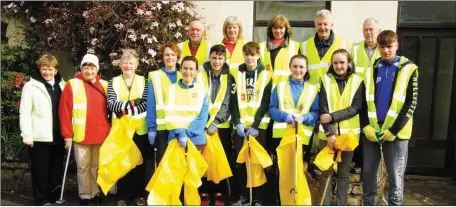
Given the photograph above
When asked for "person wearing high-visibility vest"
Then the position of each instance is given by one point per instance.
(125, 98)
(365, 52)
(392, 96)
(196, 45)
(278, 49)
(186, 107)
(250, 112)
(158, 83)
(233, 41)
(220, 83)
(294, 100)
(84, 120)
(319, 48)
(341, 100)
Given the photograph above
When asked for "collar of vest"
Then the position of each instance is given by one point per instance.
(271, 46)
(184, 86)
(332, 73)
(403, 61)
(318, 41)
(207, 68)
(259, 68)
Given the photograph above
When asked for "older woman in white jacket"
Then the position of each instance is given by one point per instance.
(40, 129)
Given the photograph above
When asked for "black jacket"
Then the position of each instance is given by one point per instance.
(224, 113)
(264, 106)
(358, 103)
(411, 98)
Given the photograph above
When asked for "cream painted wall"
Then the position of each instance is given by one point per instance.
(215, 12)
(348, 16)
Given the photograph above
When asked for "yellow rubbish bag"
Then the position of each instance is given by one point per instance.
(177, 168)
(346, 142)
(324, 159)
(259, 159)
(118, 154)
(218, 166)
(292, 178)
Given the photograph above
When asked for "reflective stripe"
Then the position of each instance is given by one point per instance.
(317, 66)
(161, 121)
(359, 70)
(262, 46)
(282, 72)
(291, 49)
(183, 108)
(355, 55)
(344, 44)
(78, 121)
(159, 96)
(80, 106)
(355, 130)
(370, 97)
(252, 119)
(304, 48)
(234, 65)
(179, 119)
(392, 113)
(372, 114)
(399, 97)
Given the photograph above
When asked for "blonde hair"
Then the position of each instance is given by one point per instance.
(232, 20)
(130, 54)
(324, 13)
(47, 60)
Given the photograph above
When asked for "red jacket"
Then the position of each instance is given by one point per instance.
(97, 125)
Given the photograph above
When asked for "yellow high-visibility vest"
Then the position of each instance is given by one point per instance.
(79, 112)
(136, 91)
(403, 76)
(282, 61)
(360, 58)
(248, 110)
(182, 105)
(319, 67)
(237, 57)
(214, 108)
(337, 101)
(286, 104)
(202, 55)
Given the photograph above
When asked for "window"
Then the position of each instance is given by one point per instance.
(301, 15)
(3, 31)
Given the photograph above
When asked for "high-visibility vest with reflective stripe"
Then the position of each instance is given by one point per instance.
(248, 110)
(214, 108)
(136, 91)
(397, 102)
(281, 63)
(337, 101)
(79, 112)
(202, 55)
(360, 58)
(160, 83)
(286, 104)
(237, 57)
(182, 105)
(319, 67)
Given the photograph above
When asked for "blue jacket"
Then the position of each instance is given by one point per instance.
(296, 90)
(195, 131)
(151, 115)
(384, 87)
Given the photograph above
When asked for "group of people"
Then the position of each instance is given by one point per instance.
(236, 89)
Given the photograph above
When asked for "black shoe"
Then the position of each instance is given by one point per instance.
(243, 201)
(84, 202)
(97, 200)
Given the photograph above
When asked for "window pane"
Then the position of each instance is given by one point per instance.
(444, 87)
(299, 34)
(443, 11)
(294, 11)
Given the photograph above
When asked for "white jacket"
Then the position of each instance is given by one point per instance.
(35, 119)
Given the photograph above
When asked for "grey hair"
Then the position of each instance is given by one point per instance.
(129, 54)
(324, 13)
(373, 20)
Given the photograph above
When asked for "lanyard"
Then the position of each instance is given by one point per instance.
(129, 89)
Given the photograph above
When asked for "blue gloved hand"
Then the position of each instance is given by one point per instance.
(183, 141)
(290, 119)
(304, 118)
(212, 129)
(240, 130)
(152, 136)
(182, 137)
(252, 131)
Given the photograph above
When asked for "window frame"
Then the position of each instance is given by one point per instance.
(422, 24)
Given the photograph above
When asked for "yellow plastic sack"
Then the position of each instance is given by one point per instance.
(346, 142)
(324, 159)
(118, 154)
(292, 178)
(258, 158)
(176, 169)
(218, 166)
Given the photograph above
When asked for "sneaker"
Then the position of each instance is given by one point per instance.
(84, 202)
(243, 201)
(140, 202)
(219, 199)
(256, 203)
(121, 203)
(205, 201)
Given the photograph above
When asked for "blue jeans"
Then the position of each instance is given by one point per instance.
(395, 154)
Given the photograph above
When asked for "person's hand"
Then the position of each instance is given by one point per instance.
(325, 118)
(212, 129)
(30, 143)
(183, 141)
(240, 130)
(68, 142)
(370, 133)
(290, 119)
(118, 114)
(252, 131)
(331, 142)
(152, 136)
(304, 118)
(387, 136)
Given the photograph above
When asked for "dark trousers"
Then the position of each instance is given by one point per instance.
(161, 143)
(133, 184)
(223, 187)
(240, 171)
(47, 171)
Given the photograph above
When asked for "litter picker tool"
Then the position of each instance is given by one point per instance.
(61, 199)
